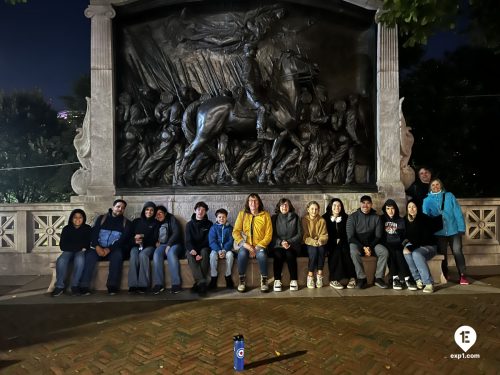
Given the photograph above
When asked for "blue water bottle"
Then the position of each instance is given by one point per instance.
(239, 352)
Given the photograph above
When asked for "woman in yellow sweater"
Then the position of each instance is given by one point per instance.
(252, 234)
(315, 237)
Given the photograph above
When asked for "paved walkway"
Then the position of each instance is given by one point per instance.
(323, 331)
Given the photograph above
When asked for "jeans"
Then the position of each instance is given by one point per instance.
(316, 258)
(138, 272)
(115, 258)
(62, 265)
(173, 256)
(455, 242)
(417, 261)
(243, 255)
(381, 253)
(199, 268)
(214, 258)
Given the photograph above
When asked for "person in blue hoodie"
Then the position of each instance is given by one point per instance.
(198, 248)
(109, 241)
(75, 240)
(392, 238)
(220, 238)
(145, 236)
(453, 226)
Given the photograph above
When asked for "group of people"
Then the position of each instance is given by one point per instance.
(404, 244)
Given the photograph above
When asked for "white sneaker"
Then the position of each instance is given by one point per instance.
(420, 284)
(319, 281)
(352, 283)
(264, 288)
(336, 285)
(428, 288)
(310, 282)
(242, 284)
(277, 286)
(294, 285)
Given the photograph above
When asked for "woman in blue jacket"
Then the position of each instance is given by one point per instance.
(453, 225)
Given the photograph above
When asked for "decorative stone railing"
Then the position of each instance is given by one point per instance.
(30, 234)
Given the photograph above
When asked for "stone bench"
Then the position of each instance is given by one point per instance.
(253, 275)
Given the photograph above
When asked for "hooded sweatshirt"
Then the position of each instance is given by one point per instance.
(197, 233)
(394, 227)
(147, 226)
(75, 239)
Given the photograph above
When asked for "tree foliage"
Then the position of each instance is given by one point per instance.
(32, 135)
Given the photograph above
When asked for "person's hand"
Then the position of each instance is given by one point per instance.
(166, 250)
(252, 253)
(406, 251)
(100, 251)
(193, 252)
(367, 250)
(285, 244)
(222, 254)
(198, 258)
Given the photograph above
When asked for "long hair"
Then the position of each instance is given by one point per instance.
(311, 203)
(256, 196)
(329, 207)
(283, 201)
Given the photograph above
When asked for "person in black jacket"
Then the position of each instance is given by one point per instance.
(109, 241)
(420, 188)
(198, 248)
(145, 236)
(75, 240)
(340, 264)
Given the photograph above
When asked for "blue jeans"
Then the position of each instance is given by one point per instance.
(174, 254)
(316, 258)
(138, 272)
(417, 261)
(62, 264)
(243, 256)
(115, 258)
(214, 259)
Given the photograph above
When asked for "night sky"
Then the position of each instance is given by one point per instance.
(46, 45)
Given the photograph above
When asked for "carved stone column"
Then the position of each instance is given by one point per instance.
(102, 142)
(388, 134)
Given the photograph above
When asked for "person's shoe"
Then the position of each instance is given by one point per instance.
(229, 282)
(175, 289)
(361, 284)
(411, 285)
(352, 283)
(420, 284)
(112, 291)
(213, 283)
(319, 281)
(57, 292)
(263, 284)
(132, 290)
(85, 291)
(310, 282)
(75, 291)
(194, 288)
(380, 283)
(429, 288)
(463, 280)
(396, 284)
(294, 285)
(141, 290)
(242, 284)
(202, 289)
(157, 289)
(336, 285)
(277, 286)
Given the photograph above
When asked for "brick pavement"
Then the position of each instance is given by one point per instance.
(404, 334)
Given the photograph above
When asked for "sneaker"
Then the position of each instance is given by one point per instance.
(380, 283)
(157, 289)
(242, 284)
(75, 291)
(294, 285)
(396, 284)
(85, 291)
(428, 288)
(463, 280)
(202, 289)
(112, 291)
(132, 290)
(310, 282)
(336, 285)
(411, 285)
(175, 289)
(57, 292)
(319, 281)
(352, 283)
(142, 290)
(194, 288)
(229, 282)
(213, 283)
(263, 284)
(420, 284)
(361, 284)
(277, 286)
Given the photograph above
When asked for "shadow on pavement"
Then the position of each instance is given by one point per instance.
(5, 364)
(280, 358)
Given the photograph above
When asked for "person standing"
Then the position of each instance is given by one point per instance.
(420, 187)
(252, 234)
(441, 202)
(315, 237)
(75, 240)
(364, 232)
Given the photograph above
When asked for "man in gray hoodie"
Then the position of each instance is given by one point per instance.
(364, 232)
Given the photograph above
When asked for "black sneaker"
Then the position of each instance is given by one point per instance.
(142, 290)
(213, 283)
(157, 289)
(194, 288)
(132, 290)
(85, 291)
(361, 284)
(396, 284)
(411, 284)
(381, 283)
(229, 282)
(202, 289)
(112, 291)
(75, 291)
(57, 292)
(176, 289)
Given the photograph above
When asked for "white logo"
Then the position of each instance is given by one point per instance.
(465, 337)
(240, 353)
